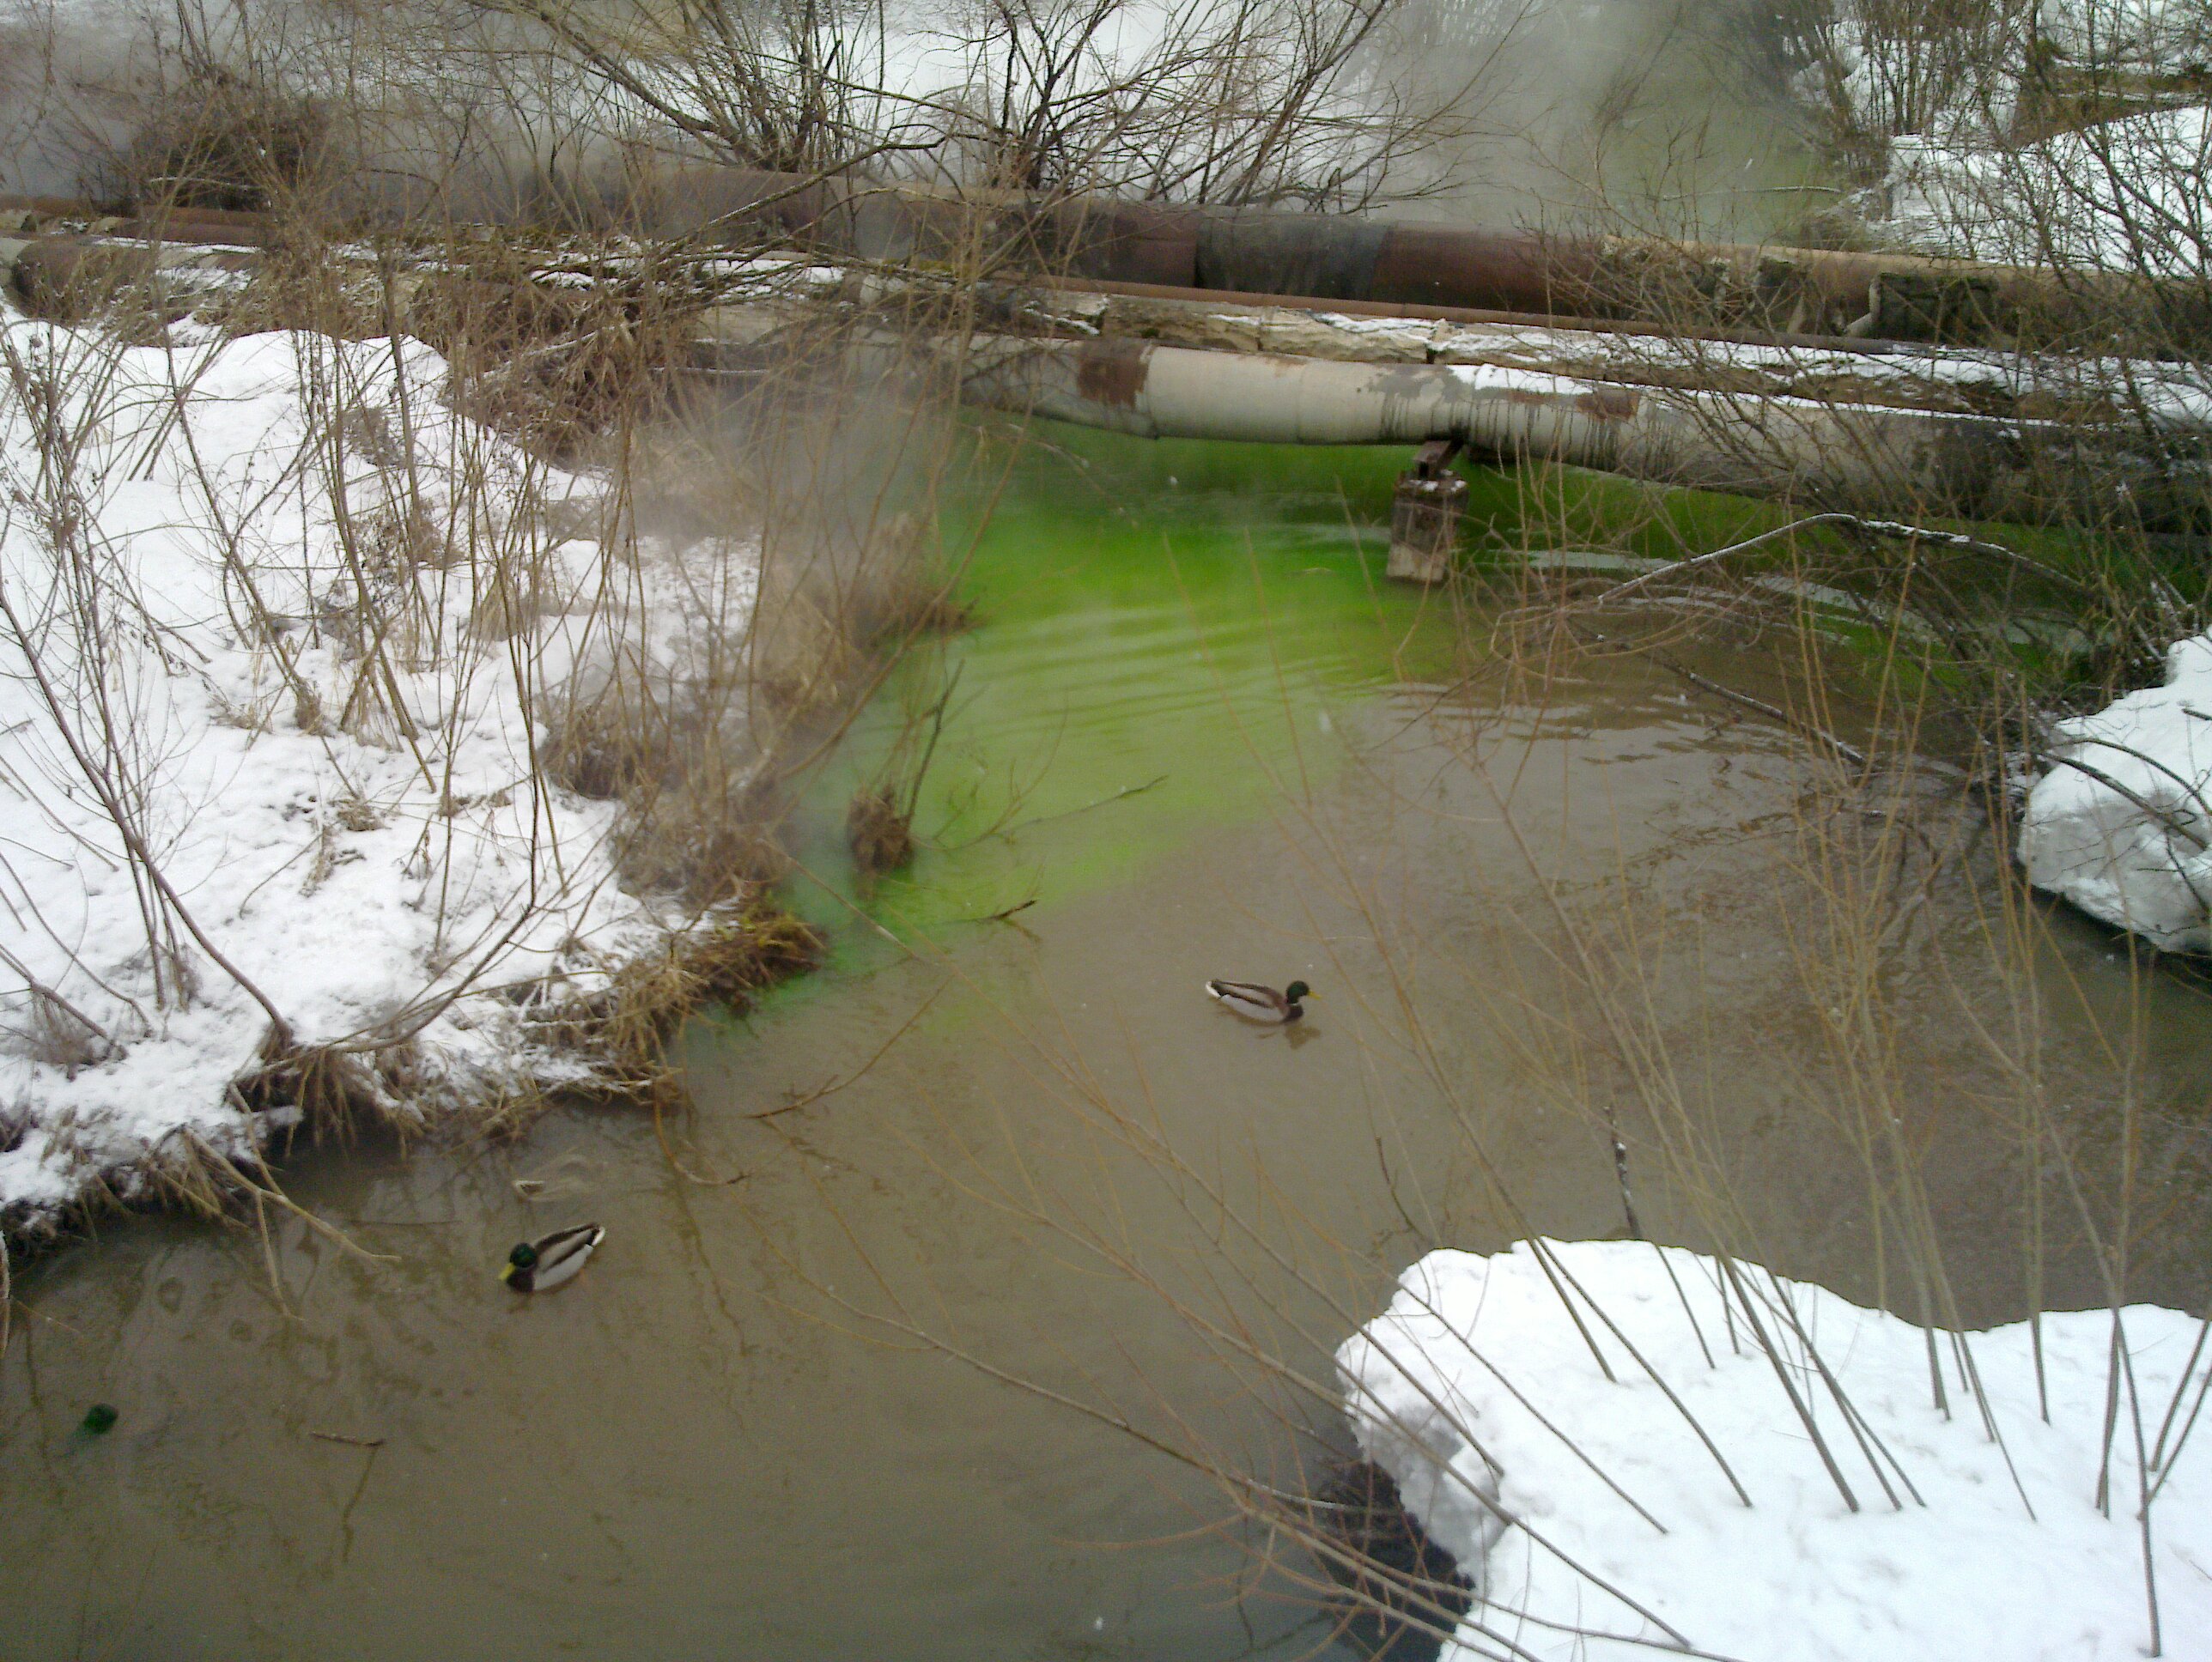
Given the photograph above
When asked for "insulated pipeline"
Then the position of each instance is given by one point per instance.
(1862, 457)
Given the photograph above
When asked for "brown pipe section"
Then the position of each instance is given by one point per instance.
(1731, 291)
(197, 225)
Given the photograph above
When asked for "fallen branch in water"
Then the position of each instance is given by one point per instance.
(668, 1152)
(1668, 662)
(1852, 522)
(1125, 793)
(232, 1170)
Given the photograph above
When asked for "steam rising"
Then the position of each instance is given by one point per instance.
(1649, 113)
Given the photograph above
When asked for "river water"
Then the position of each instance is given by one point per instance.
(840, 1383)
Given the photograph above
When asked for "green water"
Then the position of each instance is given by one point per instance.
(1165, 629)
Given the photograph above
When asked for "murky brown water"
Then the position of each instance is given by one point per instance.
(760, 1425)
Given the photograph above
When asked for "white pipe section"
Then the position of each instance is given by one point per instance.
(1868, 458)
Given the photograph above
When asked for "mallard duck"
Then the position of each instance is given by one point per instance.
(536, 1265)
(1262, 1003)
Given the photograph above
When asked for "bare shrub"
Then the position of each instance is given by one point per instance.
(218, 140)
(60, 1037)
(1051, 99)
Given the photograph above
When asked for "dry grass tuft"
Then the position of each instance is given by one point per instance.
(555, 366)
(905, 600)
(295, 284)
(604, 749)
(337, 1091)
(915, 608)
(729, 958)
(61, 1038)
(878, 831)
(705, 848)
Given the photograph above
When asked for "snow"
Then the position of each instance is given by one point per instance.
(1973, 170)
(2136, 856)
(276, 605)
(2126, 194)
(1984, 1563)
(1949, 376)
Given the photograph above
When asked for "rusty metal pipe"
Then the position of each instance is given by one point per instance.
(219, 225)
(1742, 288)
(1731, 291)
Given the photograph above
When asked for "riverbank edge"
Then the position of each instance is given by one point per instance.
(608, 1047)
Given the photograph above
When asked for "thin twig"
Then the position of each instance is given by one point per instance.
(819, 1092)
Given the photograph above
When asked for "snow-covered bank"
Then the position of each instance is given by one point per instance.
(277, 623)
(1996, 1548)
(2127, 195)
(2121, 825)
(2072, 132)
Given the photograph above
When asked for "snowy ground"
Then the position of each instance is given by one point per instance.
(2127, 195)
(2121, 824)
(1477, 1390)
(1991, 159)
(277, 620)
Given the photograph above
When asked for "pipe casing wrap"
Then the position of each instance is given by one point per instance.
(1868, 458)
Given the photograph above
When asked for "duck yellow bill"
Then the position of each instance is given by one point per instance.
(506, 1272)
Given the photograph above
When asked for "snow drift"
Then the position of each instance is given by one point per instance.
(1480, 1395)
(2121, 825)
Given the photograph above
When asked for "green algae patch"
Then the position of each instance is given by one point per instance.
(1163, 633)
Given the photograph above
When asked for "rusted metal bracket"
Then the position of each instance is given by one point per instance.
(1425, 513)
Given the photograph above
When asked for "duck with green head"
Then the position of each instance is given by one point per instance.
(1262, 1003)
(536, 1265)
